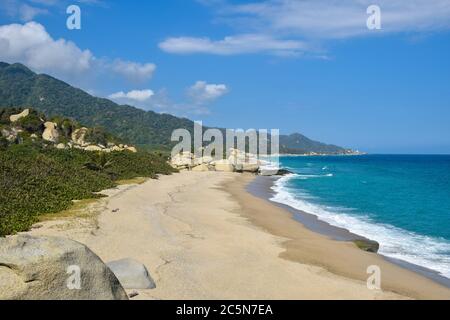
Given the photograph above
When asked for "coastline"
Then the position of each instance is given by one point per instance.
(203, 236)
(340, 257)
(262, 188)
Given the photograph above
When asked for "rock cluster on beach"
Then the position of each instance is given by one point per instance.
(50, 268)
(28, 124)
(237, 161)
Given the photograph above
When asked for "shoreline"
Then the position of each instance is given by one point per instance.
(338, 257)
(262, 187)
(203, 236)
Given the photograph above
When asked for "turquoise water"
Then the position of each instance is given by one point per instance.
(403, 202)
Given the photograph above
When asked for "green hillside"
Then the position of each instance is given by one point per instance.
(20, 87)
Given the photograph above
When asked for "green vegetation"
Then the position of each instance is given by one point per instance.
(36, 180)
(146, 129)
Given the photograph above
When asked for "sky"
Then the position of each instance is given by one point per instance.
(308, 66)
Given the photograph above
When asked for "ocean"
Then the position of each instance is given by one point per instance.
(400, 201)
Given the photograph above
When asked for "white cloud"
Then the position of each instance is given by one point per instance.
(28, 13)
(293, 27)
(136, 95)
(240, 44)
(340, 19)
(31, 45)
(134, 71)
(203, 93)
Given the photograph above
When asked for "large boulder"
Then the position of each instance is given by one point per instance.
(250, 167)
(50, 133)
(224, 166)
(132, 149)
(132, 274)
(79, 135)
(183, 160)
(50, 268)
(17, 117)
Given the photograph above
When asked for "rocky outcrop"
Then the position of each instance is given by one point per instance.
(237, 162)
(17, 117)
(132, 274)
(184, 160)
(49, 268)
(79, 135)
(93, 148)
(50, 133)
(224, 166)
(56, 132)
(367, 245)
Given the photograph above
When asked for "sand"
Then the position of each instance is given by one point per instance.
(201, 236)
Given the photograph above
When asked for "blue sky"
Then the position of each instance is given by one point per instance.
(302, 66)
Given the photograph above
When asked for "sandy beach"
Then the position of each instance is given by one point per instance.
(202, 236)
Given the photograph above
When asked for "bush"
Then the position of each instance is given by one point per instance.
(36, 180)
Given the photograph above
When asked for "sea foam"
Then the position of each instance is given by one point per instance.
(429, 252)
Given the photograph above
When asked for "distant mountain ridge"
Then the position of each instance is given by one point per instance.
(21, 87)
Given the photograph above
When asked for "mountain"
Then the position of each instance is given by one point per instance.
(21, 87)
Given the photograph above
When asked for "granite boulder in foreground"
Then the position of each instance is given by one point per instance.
(132, 274)
(50, 268)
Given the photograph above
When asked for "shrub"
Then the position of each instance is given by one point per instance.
(36, 180)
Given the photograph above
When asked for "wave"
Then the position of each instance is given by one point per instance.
(306, 176)
(429, 252)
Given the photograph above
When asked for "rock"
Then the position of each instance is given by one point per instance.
(132, 274)
(250, 167)
(46, 268)
(79, 135)
(284, 172)
(16, 117)
(4, 132)
(268, 172)
(183, 160)
(61, 146)
(93, 148)
(223, 166)
(50, 133)
(203, 160)
(367, 245)
(132, 149)
(201, 168)
(116, 149)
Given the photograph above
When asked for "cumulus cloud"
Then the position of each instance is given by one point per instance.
(202, 92)
(240, 44)
(197, 101)
(31, 45)
(134, 71)
(136, 95)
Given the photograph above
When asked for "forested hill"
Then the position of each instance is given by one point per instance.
(21, 87)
